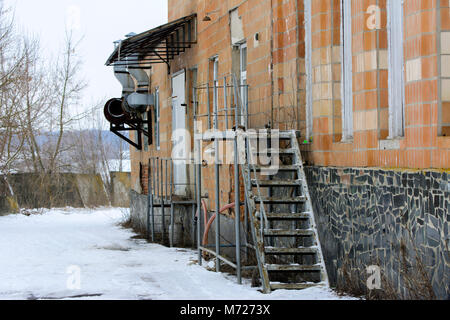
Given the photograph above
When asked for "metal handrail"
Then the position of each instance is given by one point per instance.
(250, 160)
(251, 165)
(164, 185)
(239, 107)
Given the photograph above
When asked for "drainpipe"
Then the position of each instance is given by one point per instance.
(297, 65)
(271, 64)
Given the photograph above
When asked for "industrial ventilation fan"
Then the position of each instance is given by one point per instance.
(130, 113)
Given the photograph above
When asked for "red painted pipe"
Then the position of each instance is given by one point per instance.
(205, 212)
(211, 220)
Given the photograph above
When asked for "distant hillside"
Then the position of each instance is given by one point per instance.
(80, 151)
(107, 136)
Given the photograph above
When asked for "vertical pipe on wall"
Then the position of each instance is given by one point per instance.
(199, 205)
(195, 112)
(237, 202)
(225, 102)
(198, 180)
(272, 81)
(439, 65)
(308, 65)
(237, 196)
(208, 105)
(152, 201)
(217, 179)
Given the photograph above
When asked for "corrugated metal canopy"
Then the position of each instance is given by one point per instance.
(158, 45)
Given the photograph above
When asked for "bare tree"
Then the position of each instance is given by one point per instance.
(96, 153)
(12, 63)
(67, 88)
(49, 92)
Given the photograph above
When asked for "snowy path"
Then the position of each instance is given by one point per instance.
(41, 254)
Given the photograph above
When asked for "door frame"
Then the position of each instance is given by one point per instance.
(179, 190)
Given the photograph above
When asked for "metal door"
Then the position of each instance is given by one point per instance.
(179, 133)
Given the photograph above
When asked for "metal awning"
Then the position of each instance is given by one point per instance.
(159, 45)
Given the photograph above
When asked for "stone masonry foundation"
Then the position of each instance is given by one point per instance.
(398, 220)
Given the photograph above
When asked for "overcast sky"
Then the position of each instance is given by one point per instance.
(100, 22)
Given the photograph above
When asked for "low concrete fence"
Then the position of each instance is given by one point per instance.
(61, 190)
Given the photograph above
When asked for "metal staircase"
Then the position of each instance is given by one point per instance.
(282, 222)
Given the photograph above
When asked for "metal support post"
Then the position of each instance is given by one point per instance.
(172, 208)
(217, 181)
(152, 202)
(237, 202)
(163, 213)
(149, 199)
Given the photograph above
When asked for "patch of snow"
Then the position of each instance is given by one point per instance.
(39, 254)
(114, 165)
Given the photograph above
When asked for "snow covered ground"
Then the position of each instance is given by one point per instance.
(84, 254)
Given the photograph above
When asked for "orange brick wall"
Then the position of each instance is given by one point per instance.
(277, 79)
(421, 147)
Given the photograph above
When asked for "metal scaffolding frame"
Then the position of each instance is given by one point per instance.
(240, 120)
(161, 185)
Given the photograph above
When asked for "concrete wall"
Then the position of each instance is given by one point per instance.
(37, 191)
(182, 214)
(381, 217)
(184, 235)
(121, 189)
(74, 190)
(91, 190)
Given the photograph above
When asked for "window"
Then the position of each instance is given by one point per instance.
(444, 69)
(157, 120)
(308, 63)
(396, 69)
(347, 73)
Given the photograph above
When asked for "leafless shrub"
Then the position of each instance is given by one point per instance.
(413, 276)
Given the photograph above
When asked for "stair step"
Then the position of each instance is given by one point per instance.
(274, 200)
(293, 286)
(290, 251)
(277, 183)
(293, 267)
(282, 135)
(287, 216)
(274, 151)
(289, 167)
(288, 233)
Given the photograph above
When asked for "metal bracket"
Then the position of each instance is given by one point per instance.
(135, 125)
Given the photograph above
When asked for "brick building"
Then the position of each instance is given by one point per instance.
(367, 85)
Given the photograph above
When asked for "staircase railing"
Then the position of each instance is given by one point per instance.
(252, 169)
(161, 191)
